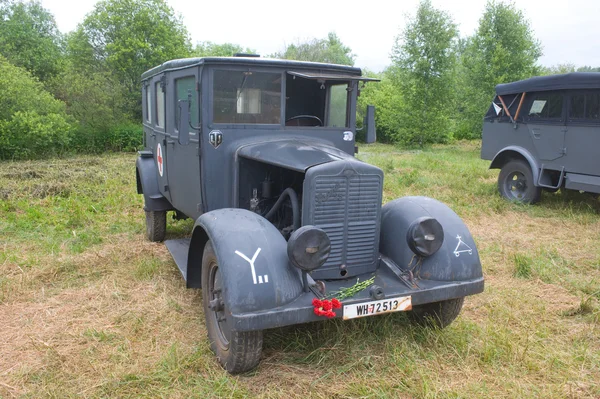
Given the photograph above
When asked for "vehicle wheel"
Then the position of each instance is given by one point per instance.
(236, 351)
(437, 314)
(156, 225)
(515, 183)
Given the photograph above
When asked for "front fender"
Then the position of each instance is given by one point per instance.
(456, 260)
(252, 257)
(507, 153)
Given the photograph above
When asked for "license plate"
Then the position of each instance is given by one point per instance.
(364, 309)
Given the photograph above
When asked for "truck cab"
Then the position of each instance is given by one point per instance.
(260, 153)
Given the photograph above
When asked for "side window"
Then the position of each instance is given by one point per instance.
(148, 104)
(585, 106)
(185, 89)
(338, 106)
(246, 97)
(160, 105)
(546, 106)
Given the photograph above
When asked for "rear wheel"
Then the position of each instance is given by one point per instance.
(236, 351)
(156, 225)
(515, 183)
(437, 314)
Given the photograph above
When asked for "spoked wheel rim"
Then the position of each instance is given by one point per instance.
(515, 185)
(217, 307)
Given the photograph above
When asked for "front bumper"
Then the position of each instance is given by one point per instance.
(301, 310)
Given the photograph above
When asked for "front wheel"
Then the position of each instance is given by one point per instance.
(437, 314)
(515, 183)
(236, 351)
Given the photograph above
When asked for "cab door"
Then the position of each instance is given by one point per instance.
(546, 124)
(159, 135)
(183, 160)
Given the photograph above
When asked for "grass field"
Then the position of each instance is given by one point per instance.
(88, 308)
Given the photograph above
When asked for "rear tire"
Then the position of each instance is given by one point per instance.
(437, 314)
(515, 183)
(156, 225)
(236, 351)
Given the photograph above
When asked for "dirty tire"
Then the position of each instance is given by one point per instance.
(437, 314)
(515, 183)
(236, 351)
(156, 225)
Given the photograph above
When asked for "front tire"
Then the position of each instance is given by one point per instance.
(437, 314)
(156, 225)
(236, 351)
(515, 183)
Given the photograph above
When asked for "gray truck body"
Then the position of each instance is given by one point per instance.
(226, 176)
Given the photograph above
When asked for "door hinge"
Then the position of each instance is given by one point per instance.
(199, 206)
(166, 188)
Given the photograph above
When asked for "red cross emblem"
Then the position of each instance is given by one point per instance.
(159, 159)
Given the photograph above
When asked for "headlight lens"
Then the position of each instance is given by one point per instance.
(425, 236)
(308, 248)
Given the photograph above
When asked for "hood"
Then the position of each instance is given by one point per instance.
(294, 154)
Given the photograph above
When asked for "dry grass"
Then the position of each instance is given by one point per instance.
(88, 308)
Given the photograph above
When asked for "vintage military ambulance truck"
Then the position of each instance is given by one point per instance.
(544, 133)
(260, 153)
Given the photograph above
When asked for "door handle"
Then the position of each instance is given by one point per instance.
(171, 142)
(536, 133)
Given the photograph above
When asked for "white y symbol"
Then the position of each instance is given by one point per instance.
(251, 261)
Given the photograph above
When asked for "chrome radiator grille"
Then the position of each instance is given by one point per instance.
(347, 206)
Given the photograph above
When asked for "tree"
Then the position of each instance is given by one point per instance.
(425, 59)
(330, 50)
(126, 38)
(210, 49)
(29, 38)
(502, 50)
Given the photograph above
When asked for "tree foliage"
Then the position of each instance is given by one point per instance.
(329, 50)
(425, 59)
(387, 99)
(503, 50)
(126, 38)
(32, 122)
(29, 38)
(210, 49)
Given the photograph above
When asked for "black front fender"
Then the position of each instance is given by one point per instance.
(456, 260)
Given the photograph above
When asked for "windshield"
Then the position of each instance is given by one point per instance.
(247, 97)
(312, 102)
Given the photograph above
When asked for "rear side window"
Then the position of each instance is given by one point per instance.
(546, 106)
(585, 106)
(160, 105)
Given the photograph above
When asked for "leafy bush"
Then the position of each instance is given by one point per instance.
(32, 122)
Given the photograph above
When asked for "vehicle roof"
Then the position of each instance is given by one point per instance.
(248, 61)
(574, 80)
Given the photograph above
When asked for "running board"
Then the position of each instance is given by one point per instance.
(560, 179)
(179, 250)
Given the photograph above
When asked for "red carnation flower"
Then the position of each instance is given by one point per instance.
(336, 303)
(327, 305)
(317, 303)
(330, 314)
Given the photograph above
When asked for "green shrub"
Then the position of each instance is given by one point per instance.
(32, 122)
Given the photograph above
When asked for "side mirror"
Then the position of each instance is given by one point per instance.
(184, 122)
(369, 123)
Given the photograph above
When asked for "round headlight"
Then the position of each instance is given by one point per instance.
(425, 236)
(308, 248)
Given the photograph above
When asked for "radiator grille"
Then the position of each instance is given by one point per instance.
(347, 208)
